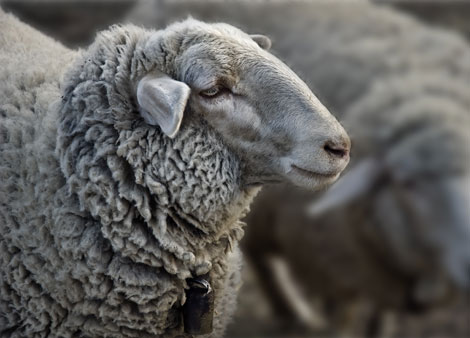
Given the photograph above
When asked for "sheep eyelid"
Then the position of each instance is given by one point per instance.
(219, 90)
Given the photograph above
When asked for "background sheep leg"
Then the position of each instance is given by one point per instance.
(359, 318)
(283, 295)
(295, 302)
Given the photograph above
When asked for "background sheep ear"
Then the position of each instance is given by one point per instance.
(262, 40)
(358, 181)
(162, 101)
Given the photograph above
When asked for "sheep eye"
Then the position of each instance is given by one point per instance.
(211, 92)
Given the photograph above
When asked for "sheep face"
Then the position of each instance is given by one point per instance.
(437, 208)
(260, 109)
(427, 190)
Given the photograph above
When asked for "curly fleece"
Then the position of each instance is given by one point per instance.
(102, 217)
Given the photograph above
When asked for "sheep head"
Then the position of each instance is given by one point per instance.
(260, 109)
(195, 116)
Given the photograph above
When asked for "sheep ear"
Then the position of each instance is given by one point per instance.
(162, 101)
(358, 181)
(262, 40)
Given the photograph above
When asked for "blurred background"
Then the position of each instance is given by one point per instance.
(386, 251)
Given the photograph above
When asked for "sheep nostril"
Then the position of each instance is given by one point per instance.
(336, 150)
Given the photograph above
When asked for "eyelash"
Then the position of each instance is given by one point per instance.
(219, 90)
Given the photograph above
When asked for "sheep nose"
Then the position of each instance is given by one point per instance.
(337, 149)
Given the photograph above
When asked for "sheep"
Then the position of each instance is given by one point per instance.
(395, 230)
(125, 169)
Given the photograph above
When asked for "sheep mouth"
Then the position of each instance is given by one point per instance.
(314, 175)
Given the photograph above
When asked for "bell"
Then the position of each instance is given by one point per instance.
(198, 310)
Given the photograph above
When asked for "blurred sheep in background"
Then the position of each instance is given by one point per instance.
(394, 233)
